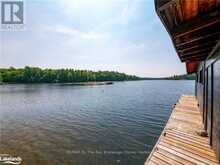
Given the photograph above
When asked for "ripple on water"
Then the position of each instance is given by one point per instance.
(47, 124)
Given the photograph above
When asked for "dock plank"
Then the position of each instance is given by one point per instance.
(166, 159)
(179, 143)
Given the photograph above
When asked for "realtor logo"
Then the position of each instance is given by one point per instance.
(12, 15)
(12, 12)
(8, 159)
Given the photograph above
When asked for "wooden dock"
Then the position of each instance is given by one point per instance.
(180, 142)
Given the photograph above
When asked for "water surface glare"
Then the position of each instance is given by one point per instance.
(86, 125)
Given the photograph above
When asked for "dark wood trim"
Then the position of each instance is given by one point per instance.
(166, 5)
(216, 35)
(166, 27)
(207, 50)
(194, 26)
(205, 101)
(196, 85)
(169, 18)
(210, 59)
(212, 95)
(197, 57)
(199, 46)
(179, 9)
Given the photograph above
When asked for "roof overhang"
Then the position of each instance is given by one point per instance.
(194, 27)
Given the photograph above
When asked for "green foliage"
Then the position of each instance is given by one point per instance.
(183, 77)
(1, 79)
(38, 75)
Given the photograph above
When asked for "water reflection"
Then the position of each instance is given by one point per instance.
(78, 125)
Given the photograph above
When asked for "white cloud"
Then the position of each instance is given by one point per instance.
(92, 35)
(127, 13)
(107, 12)
(71, 7)
(73, 32)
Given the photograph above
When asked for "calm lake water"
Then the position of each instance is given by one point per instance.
(86, 125)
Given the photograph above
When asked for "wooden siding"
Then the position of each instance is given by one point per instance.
(213, 103)
(179, 143)
(200, 97)
(209, 103)
(216, 108)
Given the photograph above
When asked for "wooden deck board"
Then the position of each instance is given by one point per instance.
(179, 143)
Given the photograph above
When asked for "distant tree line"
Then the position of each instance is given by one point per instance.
(182, 77)
(174, 77)
(38, 75)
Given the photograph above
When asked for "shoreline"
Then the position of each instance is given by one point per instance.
(86, 83)
(91, 83)
(67, 84)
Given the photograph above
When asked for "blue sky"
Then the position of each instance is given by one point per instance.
(118, 35)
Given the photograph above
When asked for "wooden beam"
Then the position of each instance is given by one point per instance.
(179, 10)
(203, 56)
(196, 24)
(199, 46)
(159, 3)
(194, 60)
(212, 4)
(169, 18)
(214, 35)
(166, 27)
(200, 57)
(166, 5)
(203, 5)
(173, 14)
(194, 9)
(195, 56)
(201, 32)
(196, 52)
(187, 9)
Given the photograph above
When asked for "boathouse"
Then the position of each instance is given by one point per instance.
(194, 28)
